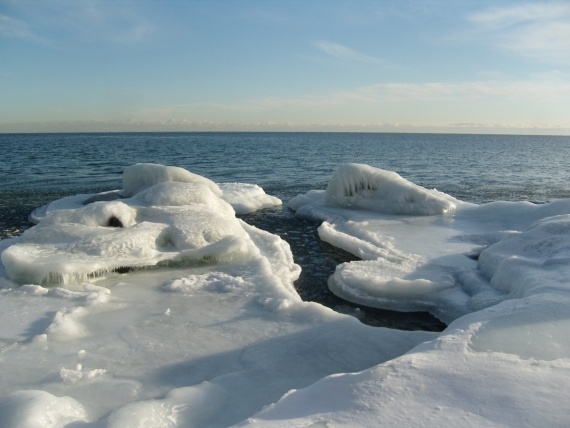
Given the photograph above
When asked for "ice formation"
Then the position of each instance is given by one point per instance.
(215, 334)
(137, 178)
(365, 187)
(166, 215)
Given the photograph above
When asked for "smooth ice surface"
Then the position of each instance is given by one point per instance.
(498, 273)
(158, 307)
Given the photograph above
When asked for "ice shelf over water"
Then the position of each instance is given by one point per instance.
(154, 306)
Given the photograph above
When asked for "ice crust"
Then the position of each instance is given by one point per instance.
(208, 330)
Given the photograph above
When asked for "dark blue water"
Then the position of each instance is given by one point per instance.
(472, 167)
(38, 168)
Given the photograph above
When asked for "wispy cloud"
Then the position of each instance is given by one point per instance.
(345, 53)
(115, 22)
(85, 21)
(500, 17)
(12, 27)
(528, 90)
(463, 101)
(537, 30)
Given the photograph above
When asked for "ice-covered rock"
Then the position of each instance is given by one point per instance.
(365, 187)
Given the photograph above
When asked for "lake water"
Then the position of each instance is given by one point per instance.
(38, 168)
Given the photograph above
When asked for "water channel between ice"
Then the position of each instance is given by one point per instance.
(318, 261)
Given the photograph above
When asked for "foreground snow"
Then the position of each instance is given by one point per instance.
(155, 306)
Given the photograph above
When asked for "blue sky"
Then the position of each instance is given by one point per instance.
(330, 65)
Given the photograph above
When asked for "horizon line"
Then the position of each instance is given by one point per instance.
(285, 132)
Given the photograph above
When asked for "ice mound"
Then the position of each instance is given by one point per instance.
(165, 216)
(365, 187)
(194, 345)
(144, 175)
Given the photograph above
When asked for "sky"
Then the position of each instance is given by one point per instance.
(462, 66)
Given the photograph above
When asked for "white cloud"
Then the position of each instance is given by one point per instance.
(501, 17)
(540, 31)
(345, 53)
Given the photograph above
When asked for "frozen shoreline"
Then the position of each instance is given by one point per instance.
(215, 331)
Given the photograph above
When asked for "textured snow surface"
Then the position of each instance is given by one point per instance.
(154, 306)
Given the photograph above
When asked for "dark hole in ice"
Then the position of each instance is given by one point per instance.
(114, 222)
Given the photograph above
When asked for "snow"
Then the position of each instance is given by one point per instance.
(184, 315)
(39, 409)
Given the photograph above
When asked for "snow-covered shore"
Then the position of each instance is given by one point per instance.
(155, 306)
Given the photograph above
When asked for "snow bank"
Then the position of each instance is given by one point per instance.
(444, 382)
